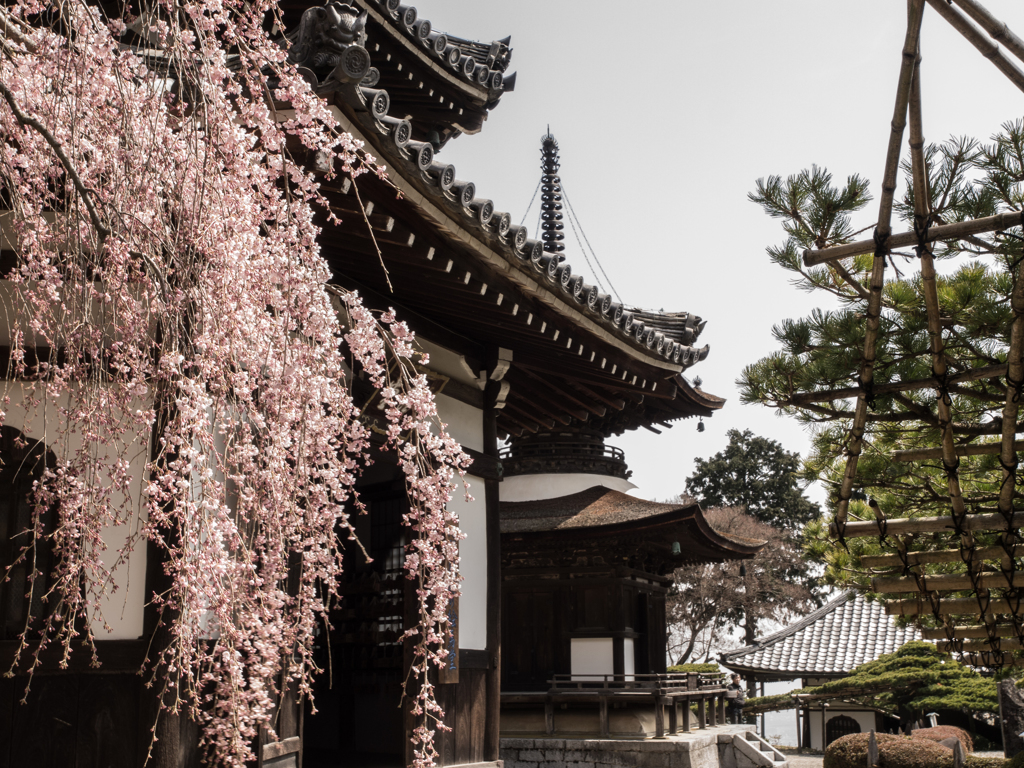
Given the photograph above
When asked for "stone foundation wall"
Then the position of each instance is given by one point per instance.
(692, 751)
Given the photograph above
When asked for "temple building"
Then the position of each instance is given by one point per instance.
(826, 645)
(533, 368)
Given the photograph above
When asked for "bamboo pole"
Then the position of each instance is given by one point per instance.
(996, 29)
(1011, 407)
(938, 556)
(984, 522)
(945, 583)
(956, 231)
(915, 11)
(958, 606)
(984, 449)
(974, 630)
(979, 645)
(985, 45)
(974, 374)
(922, 214)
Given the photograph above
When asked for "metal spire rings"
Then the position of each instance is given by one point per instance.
(551, 196)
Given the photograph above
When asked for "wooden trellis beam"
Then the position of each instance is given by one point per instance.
(982, 449)
(973, 631)
(996, 29)
(954, 606)
(943, 523)
(974, 374)
(922, 214)
(979, 645)
(945, 583)
(939, 556)
(989, 48)
(915, 11)
(957, 231)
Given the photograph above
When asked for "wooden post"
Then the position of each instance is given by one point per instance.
(492, 725)
(722, 701)
(673, 716)
(958, 755)
(714, 712)
(549, 716)
(686, 715)
(872, 751)
(702, 713)
(603, 714)
(659, 717)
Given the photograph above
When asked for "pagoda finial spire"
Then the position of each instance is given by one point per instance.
(551, 195)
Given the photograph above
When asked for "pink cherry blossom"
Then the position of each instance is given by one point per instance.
(168, 260)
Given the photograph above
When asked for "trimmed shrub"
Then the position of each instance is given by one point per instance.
(893, 752)
(973, 761)
(940, 732)
(704, 669)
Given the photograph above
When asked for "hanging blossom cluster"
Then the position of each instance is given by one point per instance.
(170, 308)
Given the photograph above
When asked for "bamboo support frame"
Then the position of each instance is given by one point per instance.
(973, 631)
(948, 646)
(941, 556)
(982, 449)
(957, 606)
(989, 48)
(915, 12)
(922, 215)
(983, 522)
(974, 374)
(957, 231)
(973, 570)
(1011, 407)
(996, 29)
(945, 583)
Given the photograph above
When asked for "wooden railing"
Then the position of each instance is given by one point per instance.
(673, 691)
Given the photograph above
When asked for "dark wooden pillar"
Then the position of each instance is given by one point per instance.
(492, 724)
(168, 745)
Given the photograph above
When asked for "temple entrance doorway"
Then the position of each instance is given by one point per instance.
(359, 720)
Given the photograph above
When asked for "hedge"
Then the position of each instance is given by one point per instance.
(893, 752)
(940, 732)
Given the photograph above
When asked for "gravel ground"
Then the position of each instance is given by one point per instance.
(803, 761)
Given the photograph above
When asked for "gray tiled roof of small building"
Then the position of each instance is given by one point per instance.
(838, 637)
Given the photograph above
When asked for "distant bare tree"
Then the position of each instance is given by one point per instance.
(707, 601)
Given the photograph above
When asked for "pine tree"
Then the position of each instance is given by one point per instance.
(758, 474)
(907, 684)
(824, 351)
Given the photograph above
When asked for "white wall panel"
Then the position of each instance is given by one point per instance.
(465, 422)
(472, 565)
(592, 656)
(121, 610)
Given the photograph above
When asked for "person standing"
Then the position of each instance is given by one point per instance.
(736, 697)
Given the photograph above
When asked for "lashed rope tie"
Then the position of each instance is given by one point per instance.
(880, 519)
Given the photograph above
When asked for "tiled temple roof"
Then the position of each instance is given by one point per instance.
(674, 535)
(668, 336)
(832, 641)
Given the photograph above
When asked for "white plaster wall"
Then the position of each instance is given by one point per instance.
(592, 656)
(866, 720)
(628, 657)
(472, 565)
(448, 363)
(553, 485)
(122, 609)
(465, 422)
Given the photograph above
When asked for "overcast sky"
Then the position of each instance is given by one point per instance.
(667, 112)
